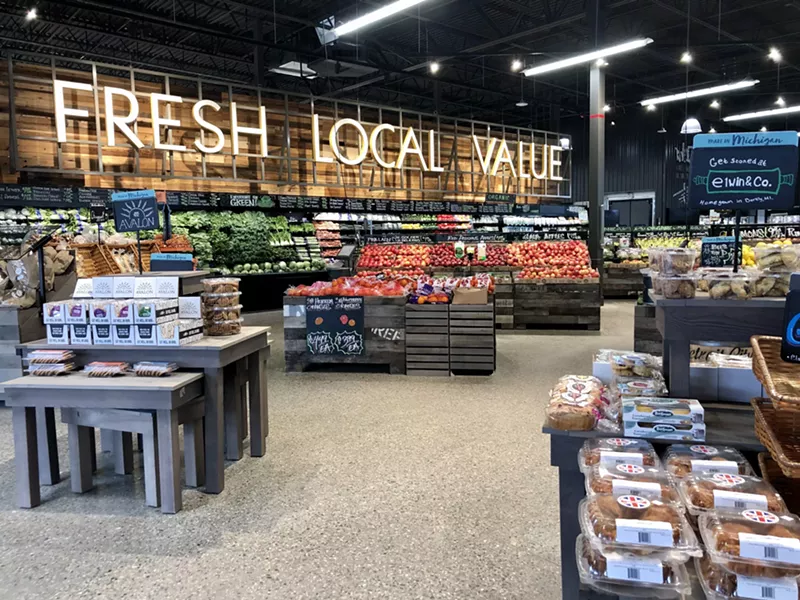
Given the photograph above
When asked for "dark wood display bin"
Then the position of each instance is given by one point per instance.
(472, 339)
(504, 301)
(384, 336)
(557, 304)
(646, 337)
(427, 340)
(620, 281)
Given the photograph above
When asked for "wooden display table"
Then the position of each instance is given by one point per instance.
(623, 281)
(228, 363)
(726, 425)
(165, 395)
(557, 303)
(703, 319)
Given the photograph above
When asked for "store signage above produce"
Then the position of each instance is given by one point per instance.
(744, 171)
(760, 232)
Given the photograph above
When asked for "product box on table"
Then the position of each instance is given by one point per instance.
(190, 307)
(167, 287)
(155, 311)
(100, 312)
(102, 287)
(145, 287)
(124, 286)
(123, 313)
(688, 432)
(662, 410)
(76, 312)
(179, 333)
(54, 312)
(83, 289)
(123, 335)
(103, 335)
(145, 335)
(57, 333)
(81, 334)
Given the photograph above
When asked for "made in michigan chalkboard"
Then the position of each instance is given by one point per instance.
(335, 325)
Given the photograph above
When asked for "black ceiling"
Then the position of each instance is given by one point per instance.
(474, 40)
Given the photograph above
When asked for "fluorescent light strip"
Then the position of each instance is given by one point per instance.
(763, 113)
(588, 57)
(375, 15)
(717, 89)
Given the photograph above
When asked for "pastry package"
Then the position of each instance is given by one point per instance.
(654, 259)
(767, 284)
(673, 432)
(625, 575)
(752, 542)
(634, 364)
(730, 361)
(677, 261)
(720, 584)
(221, 285)
(627, 479)
(736, 286)
(217, 328)
(576, 403)
(662, 410)
(106, 369)
(155, 311)
(49, 357)
(221, 299)
(683, 459)
(639, 386)
(703, 274)
(54, 312)
(678, 286)
(702, 492)
(49, 370)
(636, 525)
(153, 369)
(658, 286)
(218, 314)
(777, 257)
(608, 452)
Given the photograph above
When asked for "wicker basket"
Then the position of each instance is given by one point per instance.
(92, 261)
(789, 489)
(781, 380)
(778, 431)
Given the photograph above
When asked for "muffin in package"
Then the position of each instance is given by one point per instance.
(634, 524)
(634, 364)
(752, 542)
(626, 479)
(683, 459)
(626, 575)
(720, 584)
(609, 452)
(702, 492)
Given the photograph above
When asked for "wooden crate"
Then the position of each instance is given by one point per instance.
(557, 304)
(622, 282)
(472, 338)
(384, 336)
(504, 301)
(646, 337)
(427, 340)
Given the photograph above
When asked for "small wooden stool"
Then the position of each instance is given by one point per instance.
(160, 464)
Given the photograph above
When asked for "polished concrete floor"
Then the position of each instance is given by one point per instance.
(374, 486)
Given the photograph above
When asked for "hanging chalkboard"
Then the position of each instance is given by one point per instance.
(135, 211)
(717, 251)
(335, 325)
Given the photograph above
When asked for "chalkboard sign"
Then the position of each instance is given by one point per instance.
(511, 198)
(743, 171)
(335, 325)
(790, 340)
(717, 251)
(135, 211)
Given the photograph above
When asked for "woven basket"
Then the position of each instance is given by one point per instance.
(91, 261)
(789, 489)
(781, 380)
(778, 431)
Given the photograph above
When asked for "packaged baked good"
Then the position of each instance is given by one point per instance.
(658, 286)
(720, 584)
(730, 361)
(654, 259)
(777, 257)
(634, 524)
(678, 286)
(223, 299)
(609, 452)
(639, 386)
(218, 314)
(572, 415)
(49, 357)
(768, 284)
(673, 432)
(702, 492)
(218, 328)
(752, 542)
(628, 479)
(683, 459)
(737, 286)
(662, 410)
(704, 273)
(50, 370)
(221, 285)
(106, 369)
(677, 261)
(634, 364)
(626, 575)
(153, 369)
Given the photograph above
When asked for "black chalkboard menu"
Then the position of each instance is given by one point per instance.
(470, 236)
(717, 251)
(335, 325)
(400, 238)
(509, 198)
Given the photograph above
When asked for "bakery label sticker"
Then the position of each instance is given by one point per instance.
(644, 570)
(760, 516)
(644, 489)
(644, 533)
(708, 450)
(618, 442)
(630, 469)
(769, 548)
(728, 499)
(610, 459)
(715, 466)
(727, 479)
(761, 588)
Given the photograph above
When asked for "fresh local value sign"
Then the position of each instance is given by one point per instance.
(744, 171)
(518, 159)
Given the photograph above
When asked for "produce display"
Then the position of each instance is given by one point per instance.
(403, 256)
(431, 290)
(354, 286)
(530, 254)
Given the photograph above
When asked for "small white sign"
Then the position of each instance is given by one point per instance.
(124, 287)
(103, 287)
(167, 287)
(647, 489)
(728, 499)
(83, 289)
(644, 570)
(769, 548)
(145, 287)
(612, 459)
(644, 533)
(715, 466)
(761, 588)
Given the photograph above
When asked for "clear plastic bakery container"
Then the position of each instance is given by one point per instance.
(769, 284)
(221, 299)
(221, 328)
(628, 479)
(702, 492)
(49, 357)
(636, 525)
(752, 542)
(682, 459)
(635, 364)
(624, 575)
(677, 261)
(658, 286)
(221, 285)
(704, 273)
(733, 286)
(612, 451)
(218, 314)
(677, 287)
(777, 257)
(720, 584)
(639, 386)
(654, 259)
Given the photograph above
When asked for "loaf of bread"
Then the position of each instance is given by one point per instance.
(576, 403)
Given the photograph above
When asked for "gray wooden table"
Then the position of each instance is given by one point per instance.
(726, 425)
(681, 322)
(164, 395)
(228, 363)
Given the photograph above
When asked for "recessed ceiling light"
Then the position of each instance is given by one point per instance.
(606, 108)
(775, 54)
(31, 14)
(780, 101)
(516, 65)
(686, 57)
(712, 130)
(434, 67)
(522, 104)
(763, 129)
(651, 107)
(714, 104)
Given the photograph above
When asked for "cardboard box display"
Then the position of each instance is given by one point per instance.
(102, 287)
(81, 334)
(123, 335)
(124, 287)
(76, 312)
(100, 312)
(123, 312)
(167, 287)
(145, 335)
(103, 335)
(695, 432)
(179, 333)
(677, 411)
(54, 312)
(145, 287)
(190, 307)
(58, 334)
(83, 289)
(155, 311)
(471, 296)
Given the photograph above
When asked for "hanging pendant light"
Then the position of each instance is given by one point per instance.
(691, 125)
(521, 103)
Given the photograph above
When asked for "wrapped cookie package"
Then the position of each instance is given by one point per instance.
(609, 452)
(634, 364)
(154, 369)
(682, 459)
(628, 479)
(720, 584)
(703, 492)
(777, 257)
(106, 369)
